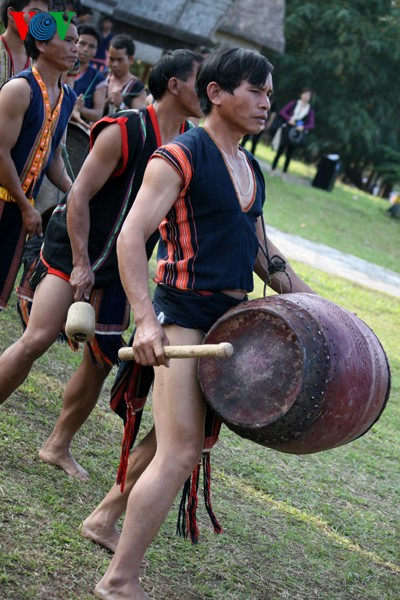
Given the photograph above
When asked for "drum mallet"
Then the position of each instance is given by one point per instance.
(222, 350)
(80, 323)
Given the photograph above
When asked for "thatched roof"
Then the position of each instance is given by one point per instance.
(166, 23)
(193, 23)
(171, 23)
(256, 22)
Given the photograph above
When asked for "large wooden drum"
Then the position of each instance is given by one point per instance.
(306, 375)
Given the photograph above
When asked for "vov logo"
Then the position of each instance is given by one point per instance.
(43, 26)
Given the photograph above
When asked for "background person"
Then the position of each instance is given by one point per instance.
(121, 56)
(89, 84)
(299, 115)
(13, 55)
(84, 16)
(105, 26)
(134, 93)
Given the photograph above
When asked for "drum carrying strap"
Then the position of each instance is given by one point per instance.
(276, 264)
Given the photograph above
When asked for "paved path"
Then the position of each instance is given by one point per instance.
(332, 261)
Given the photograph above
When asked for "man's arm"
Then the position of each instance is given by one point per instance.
(139, 101)
(95, 113)
(15, 97)
(98, 167)
(279, 282)
(57, 171)
(160, 188)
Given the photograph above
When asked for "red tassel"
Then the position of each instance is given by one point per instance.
(127, 441)
(192, 528)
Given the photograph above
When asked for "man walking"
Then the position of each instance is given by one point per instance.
(79, 259)
(207, 193)
(34, 112)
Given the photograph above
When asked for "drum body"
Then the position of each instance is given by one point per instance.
(77, 146)
(306, 375)
(76, 150)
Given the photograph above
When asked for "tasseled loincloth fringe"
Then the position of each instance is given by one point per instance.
(128, 398)
(187, 515)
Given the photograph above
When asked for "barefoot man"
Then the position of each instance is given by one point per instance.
(79, 259)
(34, 112)
(206, 195)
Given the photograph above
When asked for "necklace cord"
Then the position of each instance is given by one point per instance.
(246, 193)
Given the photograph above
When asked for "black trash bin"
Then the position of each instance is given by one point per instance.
(326, 173)
(394, 211)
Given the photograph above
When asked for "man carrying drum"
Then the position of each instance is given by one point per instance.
(208, 195)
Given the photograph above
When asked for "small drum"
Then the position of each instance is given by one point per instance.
(306, 375)
(74, 154)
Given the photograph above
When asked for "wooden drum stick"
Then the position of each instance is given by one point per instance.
(222, 350)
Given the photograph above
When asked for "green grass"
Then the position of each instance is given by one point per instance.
(346, 218)
(321, 526)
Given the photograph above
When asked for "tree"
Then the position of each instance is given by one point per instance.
(348, 52)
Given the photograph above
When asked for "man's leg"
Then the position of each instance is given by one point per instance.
(179, 412)
(101, 525)
(52, 297)
(84, 388)
(80, 397)
(12, 241)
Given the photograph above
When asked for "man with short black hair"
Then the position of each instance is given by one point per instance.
(79, 260)
(121, 56)
(89, 84)
(34, 112)
(206, 195)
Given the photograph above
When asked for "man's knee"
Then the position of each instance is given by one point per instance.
(188, 456)
(34, 343)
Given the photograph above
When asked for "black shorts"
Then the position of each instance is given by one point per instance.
(190, 309)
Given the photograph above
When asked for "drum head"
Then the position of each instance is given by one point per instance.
(263, 378)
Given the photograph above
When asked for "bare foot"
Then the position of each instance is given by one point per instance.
(138, 593)
(65, 461)
(108, 538)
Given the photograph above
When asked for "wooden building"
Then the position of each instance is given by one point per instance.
(156, 25)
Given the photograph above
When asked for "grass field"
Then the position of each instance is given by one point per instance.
(346, 218)
(321, 526)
